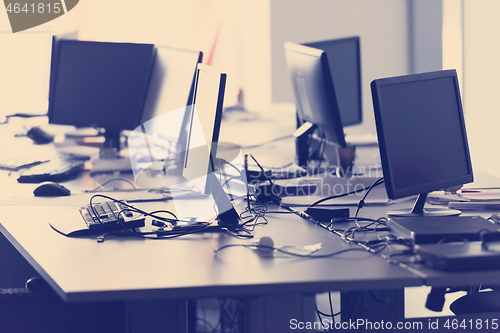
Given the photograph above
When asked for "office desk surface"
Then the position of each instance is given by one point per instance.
(81, 269)
(437, 278)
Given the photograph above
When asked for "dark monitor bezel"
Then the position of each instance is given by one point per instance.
(325, 45)
(226, 215)
(111, 128)
(54, 55)
(212, 146)
(185, 119)
(392, 191)
(329, 121)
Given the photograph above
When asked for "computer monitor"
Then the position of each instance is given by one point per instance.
(171, 85)
(200, 160)
(166, 110)
(422, 138)
(315, 97)
(54, 55)
(344, 58)
(100, 84)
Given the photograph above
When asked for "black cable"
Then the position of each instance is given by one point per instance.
(188, 230)
(206, 322)
(110, 181)
(132, 208)
(374, 246)
(245, 229)
(361, 203)
(330, 302)
(159, 234)
(319, 316)
(375, 184)
(278, 212)
(279, 167)
(234, 318)
(256, 212)
(229, 179)
(272, 248)
(336, 196)
(304, 215)
(261, 169)
(349, 305)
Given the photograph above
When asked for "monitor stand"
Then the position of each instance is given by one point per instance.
(227, 216)
(418, 209)
(301, 135)
(110, 159)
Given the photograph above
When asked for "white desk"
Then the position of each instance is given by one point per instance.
(144, 273)
(135, 269)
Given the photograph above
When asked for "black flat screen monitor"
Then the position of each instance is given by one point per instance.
(100, 84)
(54, 54)
(421, 133)
(344, 58)
(203, 135)
(314, 90)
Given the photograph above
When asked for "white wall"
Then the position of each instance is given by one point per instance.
(383, 27)
(481, 82)
(426, 34)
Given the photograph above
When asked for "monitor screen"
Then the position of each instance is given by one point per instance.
(100, 84)
(314, 90)
(344, 58)
(421, 133)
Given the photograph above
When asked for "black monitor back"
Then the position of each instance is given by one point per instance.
(314, 90)
(100, 84)
(421, 133)
(344, 59)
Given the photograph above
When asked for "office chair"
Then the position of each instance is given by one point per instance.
(475, 301)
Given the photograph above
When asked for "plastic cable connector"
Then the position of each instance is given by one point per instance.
(158, 223)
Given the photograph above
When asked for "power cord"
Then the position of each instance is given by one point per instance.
(266, 248)
(157, 234)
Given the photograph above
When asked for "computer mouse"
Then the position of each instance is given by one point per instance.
(50, 189)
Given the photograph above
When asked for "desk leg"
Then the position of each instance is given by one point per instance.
(278, 313)
(169, 316)
(373, 305)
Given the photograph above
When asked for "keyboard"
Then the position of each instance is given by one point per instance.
(16, 157)
(59, 168)
(15, 162)
(108, 216)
